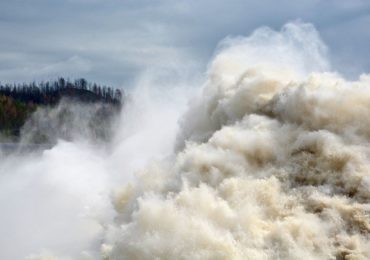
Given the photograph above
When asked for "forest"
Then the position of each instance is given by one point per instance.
(19, 101)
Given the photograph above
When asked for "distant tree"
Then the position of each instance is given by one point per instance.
(62, 83)
(95, 88)
(50, 92)
(117, 95)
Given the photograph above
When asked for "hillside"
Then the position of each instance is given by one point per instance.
(19, 101)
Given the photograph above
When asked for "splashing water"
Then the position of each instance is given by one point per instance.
(271, 162)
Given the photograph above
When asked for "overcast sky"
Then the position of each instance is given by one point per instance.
(114, 41)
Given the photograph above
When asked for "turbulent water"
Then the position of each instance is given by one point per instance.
(270, 161)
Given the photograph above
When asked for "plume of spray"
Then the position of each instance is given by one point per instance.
(71, 120)
(56, 203)
(270, 161)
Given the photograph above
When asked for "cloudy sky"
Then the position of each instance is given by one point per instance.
(114, 41)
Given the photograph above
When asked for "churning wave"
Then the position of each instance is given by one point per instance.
(270, 161)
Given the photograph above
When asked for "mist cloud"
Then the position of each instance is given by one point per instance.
(274, 163)
(270, 160)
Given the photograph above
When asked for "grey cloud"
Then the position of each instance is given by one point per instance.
(113, 41)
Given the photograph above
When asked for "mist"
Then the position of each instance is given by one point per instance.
(56, 202)
(267, 158)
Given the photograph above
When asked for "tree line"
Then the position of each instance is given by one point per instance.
(50, 92)
(19, 101)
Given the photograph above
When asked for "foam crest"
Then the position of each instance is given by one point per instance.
(272, 162)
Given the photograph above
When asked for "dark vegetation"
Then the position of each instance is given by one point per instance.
(19, 101)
